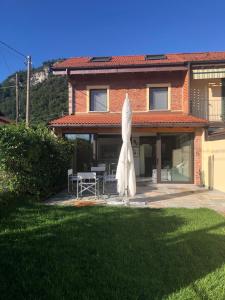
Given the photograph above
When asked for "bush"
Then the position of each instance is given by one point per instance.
(33, 160)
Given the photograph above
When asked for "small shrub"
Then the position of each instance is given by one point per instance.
(32, 160)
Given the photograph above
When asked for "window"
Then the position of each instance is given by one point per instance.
(83, 151)
(109, 147)
(98, 100)
(75, 136)
(100, 58)
(158, 98)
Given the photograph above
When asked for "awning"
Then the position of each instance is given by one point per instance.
(208, 73)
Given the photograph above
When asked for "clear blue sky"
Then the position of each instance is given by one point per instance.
(49, 29)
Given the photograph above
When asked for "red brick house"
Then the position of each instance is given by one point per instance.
(175, 97)
(4, 120)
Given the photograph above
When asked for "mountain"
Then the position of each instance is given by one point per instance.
(49, 95)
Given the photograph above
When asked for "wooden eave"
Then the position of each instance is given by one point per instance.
(119, 69)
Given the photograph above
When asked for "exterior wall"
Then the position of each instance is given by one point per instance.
(197, 156)
(134, 84)
(213, 164)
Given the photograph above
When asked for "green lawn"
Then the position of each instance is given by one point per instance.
(111, 253)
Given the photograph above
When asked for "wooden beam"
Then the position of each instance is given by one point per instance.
(120, 70)
(118, 130)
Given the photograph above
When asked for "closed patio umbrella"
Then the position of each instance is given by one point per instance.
(125, 173)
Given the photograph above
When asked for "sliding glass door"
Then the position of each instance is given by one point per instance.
(176, 158)
(167, 157)
(147, 156)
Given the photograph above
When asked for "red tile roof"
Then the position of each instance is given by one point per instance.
(139, 60)
(138, 120)
(4, 120)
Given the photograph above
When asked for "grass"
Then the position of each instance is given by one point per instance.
(110, 253)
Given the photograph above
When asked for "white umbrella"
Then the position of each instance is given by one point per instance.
(125, 173)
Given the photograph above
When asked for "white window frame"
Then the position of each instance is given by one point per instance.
(97, 87)
(158, 85)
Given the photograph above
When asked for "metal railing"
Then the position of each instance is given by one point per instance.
(210, 109)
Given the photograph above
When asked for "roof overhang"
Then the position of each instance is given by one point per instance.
(74, 71)
(4, 120)
(147, 125)
(139, 120)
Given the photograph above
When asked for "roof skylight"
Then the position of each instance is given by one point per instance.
(100, 58)
(155, 56)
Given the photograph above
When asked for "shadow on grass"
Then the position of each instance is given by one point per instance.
(105, 252)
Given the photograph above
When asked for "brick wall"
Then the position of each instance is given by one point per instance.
(186, 93)
(134, 84)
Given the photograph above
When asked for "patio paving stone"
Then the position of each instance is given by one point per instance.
(153, 196)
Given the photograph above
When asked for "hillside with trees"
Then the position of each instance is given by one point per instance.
(49, 95)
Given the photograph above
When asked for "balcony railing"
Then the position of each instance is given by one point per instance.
(210, 109)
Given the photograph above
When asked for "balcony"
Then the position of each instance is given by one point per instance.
(210, 109)
(207, 100)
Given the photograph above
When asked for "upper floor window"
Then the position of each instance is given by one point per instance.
(98, 99)
(159, 97)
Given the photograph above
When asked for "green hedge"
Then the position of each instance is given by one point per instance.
(32, 160)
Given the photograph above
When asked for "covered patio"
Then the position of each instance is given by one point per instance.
(165, 146)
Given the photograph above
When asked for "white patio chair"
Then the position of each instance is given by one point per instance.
(100, 173)
(87, 182)
(98, 169)
(112, 168)
(71, 179)
(106, 166)
(102, 165)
